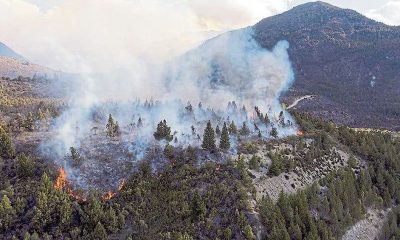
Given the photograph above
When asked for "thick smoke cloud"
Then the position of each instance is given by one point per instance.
(221, 75)
(142, 60)
(230, 67)
(93, 36)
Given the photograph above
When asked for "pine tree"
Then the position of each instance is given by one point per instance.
(266, 119)
(254, 163)
(232, 128)
(75, 156)
(224, 141)
(274, 132)
(99, 232)
(199, 209)
(7, 148)
(209, 138)
(281, 119)
(29, 122)
(25, 166)
(139, 123)
(7, 213)
(93, 211)
(163, 132)
(110, 126)
(245, 131)
(248, 232)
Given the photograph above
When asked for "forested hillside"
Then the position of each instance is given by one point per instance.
(350, 62)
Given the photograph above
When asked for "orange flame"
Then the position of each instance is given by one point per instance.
(62, 183)
(61, 180)
(300, 133)
(108, 195)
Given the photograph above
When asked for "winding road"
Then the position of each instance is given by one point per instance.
(297, 101)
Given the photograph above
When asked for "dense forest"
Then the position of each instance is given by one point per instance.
(188, 200)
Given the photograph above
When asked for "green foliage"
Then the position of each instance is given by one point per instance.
(209, 138)
(112, 127)
(7, 148)
(75, 156)
(163, 132)
(7, 213)
(224, 143)
(99, 232)
(255, 163)
(232, 128)
(277, 165)
(244, 131)
(25, 166)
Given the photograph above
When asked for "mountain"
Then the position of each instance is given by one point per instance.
(5, 51)
(13, 65)
(349, 62)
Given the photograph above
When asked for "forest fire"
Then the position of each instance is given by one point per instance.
(300, 133)
(110, 194)
(61, 180)
(62, 183)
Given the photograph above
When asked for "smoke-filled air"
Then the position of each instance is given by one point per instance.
(228, 80)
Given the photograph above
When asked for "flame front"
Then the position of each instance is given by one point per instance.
(61, 181)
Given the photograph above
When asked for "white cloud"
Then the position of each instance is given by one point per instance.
(389, 13)
(76, 35)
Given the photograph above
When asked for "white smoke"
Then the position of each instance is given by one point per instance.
(229, 68)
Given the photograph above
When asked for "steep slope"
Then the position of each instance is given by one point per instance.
(351, 63)
(5, 51)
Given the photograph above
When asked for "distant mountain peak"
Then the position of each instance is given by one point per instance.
(5, 51)
(316, 5)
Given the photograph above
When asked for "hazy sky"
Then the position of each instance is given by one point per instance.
(85, 35)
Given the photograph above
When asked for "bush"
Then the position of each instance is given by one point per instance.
(25, 166)
(7, 148)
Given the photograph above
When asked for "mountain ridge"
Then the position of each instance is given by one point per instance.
(6, 51)
(351, 63)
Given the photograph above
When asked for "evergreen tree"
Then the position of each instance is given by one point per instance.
(245, 131)
(281, 119)
(110, 126)
(199, 209)
(75, 156)
(254, 163)
(7, 148)
(25, 166)
(29, 122)
(209, 138)
(274, 132)
(7, 213)
(99, 232)
(163, 132)
(224, 141)
(139, 123)
(232, 128)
